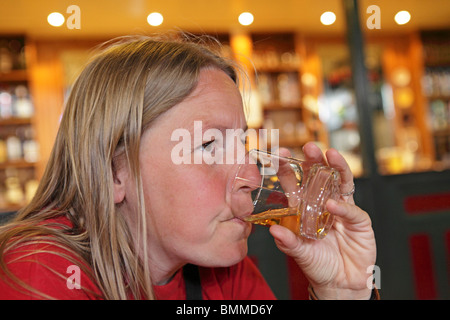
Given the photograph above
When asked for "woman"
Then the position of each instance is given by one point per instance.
(114, 217)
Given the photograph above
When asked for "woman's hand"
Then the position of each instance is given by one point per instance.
(339, 265)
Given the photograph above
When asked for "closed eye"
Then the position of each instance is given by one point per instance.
(206, 145)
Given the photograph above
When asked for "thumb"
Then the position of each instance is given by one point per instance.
(287, 241)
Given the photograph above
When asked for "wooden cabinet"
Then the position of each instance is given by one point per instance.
(277, 80)
(19, 148)
(293, 75)
(436, 86)
(284, 80)
(419, 76)
(287, 72)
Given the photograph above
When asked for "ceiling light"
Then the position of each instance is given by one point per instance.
(55, 19)
(402, 17)
(155, 19)
(246, 18)
(327, 18)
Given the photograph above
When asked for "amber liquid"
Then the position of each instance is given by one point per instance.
(285, 217)
(289, 218)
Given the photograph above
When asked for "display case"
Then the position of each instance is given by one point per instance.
(19, 150)
(277, 83)
(286, 88)
(436, 86)
(337, 108)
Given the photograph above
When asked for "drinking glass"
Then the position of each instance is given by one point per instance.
(286, 191)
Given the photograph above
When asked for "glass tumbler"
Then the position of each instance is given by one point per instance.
(286, 191)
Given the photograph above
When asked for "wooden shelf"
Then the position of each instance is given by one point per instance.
(293, 143)
(438, 97)
(14, 76)
(19, 164)
(278, 106)
(15, 121)
(441, 132)
(277, 69)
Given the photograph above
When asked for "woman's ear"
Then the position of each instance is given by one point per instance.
(120, 176)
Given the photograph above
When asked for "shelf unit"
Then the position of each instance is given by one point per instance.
(19, 149)
(280, 63)
(286, 73)
(436, 86)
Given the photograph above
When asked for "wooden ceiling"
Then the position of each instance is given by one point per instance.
(105, 18)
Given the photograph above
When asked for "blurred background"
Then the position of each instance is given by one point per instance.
(370, 78)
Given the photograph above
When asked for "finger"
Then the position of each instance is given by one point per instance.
(284, 152)
(287, 176)
(337, 161)
(349, 213)
(284, 168)
(286, 241)
(313, 153)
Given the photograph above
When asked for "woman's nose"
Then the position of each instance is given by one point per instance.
(248, 177)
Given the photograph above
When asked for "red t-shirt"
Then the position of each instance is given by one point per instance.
(242, 281)
(59, 277)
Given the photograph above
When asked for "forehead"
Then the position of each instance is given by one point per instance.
(216, 100)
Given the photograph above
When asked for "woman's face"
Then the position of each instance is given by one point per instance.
(189, 203)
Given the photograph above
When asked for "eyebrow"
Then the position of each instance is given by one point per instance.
(211, 125)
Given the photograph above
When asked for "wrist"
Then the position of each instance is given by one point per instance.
(325, 293)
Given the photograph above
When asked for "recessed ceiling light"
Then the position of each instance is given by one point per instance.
(328, 18)
(55, 19)
(402, 17)
(246, 18)
(155, 19)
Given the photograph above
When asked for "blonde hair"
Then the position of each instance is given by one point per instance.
(115, 99)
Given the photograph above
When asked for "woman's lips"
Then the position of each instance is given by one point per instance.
(240, 220)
